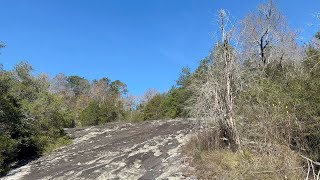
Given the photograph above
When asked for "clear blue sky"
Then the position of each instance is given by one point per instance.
(143, 43)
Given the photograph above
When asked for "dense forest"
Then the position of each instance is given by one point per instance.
(256, 96)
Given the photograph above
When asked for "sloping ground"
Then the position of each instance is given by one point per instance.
(149, 150)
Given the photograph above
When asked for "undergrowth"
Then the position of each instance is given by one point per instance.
(222, 163)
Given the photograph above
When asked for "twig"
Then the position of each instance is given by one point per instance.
(308, 170)
(273, 171)
(311, 164)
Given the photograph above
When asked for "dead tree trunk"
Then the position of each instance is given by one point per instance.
(229, 129)
(213, 98)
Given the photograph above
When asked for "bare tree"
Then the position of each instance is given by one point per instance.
(59, 84)
(213, 95)
(266, 36)
(100, 90)
(148, 95)
(227, 54)
(130, 103)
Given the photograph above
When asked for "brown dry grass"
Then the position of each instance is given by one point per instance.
(222, 163)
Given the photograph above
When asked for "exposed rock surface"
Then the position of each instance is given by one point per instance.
(150, 150)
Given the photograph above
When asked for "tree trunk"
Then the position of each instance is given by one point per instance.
(230, 129)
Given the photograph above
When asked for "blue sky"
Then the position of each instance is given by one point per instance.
(143, 43)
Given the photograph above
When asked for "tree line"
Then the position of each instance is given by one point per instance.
(35, 109)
